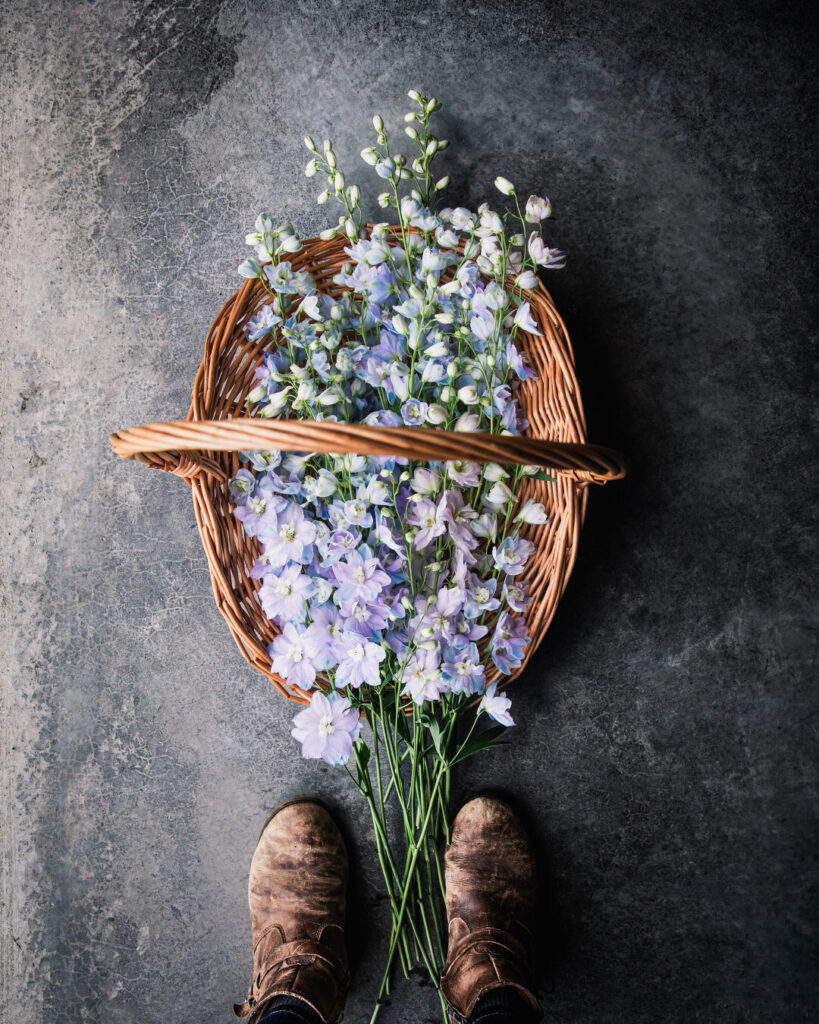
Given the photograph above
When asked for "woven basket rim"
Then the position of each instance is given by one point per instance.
(203, 450)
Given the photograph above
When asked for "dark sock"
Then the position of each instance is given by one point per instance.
(502, 1006)
(289, 1010)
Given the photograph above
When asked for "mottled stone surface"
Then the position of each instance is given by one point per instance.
(665, 747)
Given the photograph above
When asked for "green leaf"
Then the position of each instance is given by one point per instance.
(435, 733)
(362, 754)
(542, 475)
(487, 739)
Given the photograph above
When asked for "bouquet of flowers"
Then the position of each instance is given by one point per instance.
(396, 585)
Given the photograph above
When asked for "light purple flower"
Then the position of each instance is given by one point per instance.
(359, 661)
(297, 656)
(423, 679)
(358, 578)
(414, 412)
(258, 513)
(356, 513)
(516, 594)
(517, 362)
(497, 706)
(508, 643)
(480, 596)
(341, 543)
(463, 670)
(263, 323)
(242, 487)
(512, 555)
(291, 539)
(327, 728)
(365, 617)
(459, 517)
(284, 594)
(428, 518)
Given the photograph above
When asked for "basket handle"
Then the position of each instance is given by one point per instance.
(179, 446)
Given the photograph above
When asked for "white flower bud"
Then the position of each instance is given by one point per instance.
(353, 194)
(527, 280)
(437, 414)
(467, 423)
(400, 324)
(414, 96)
(338, 181)
(442, 144)
(327, 146)
(432, 145)
(327, 234)
(409, 130)
(493, 472)
(311, 169)
(445, 318)
(468, 394)
(504, 186)
(383, 200)
(378, 123)
(442, 183)
(537, 209)
(370, 156)
(309, 143)
(532, 512)
(323, 197)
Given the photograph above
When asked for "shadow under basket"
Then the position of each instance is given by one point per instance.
(204, 450)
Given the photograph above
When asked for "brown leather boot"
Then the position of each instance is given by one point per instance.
(490, 902)
(298, 894)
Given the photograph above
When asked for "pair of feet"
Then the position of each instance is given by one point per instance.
(297, 893)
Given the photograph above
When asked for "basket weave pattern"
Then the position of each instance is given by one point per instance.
(204, 449)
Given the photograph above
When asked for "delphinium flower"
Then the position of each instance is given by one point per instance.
(497, 706)
(391, 579)
(328, 728)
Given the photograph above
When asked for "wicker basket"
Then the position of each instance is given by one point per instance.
(204, 449)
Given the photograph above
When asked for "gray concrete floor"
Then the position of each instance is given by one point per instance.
(665, 738)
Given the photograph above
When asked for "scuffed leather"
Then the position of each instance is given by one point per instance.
(297, 894)
(491, 883)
